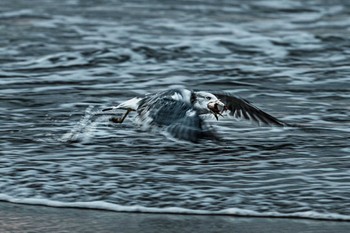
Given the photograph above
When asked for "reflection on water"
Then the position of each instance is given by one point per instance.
(62, 62)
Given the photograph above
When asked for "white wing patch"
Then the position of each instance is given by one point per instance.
(190, 113)
(131, 104)
(177, 96)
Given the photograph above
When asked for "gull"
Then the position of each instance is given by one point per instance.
(180, 112)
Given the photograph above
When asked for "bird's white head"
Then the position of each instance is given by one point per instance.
(206, 102)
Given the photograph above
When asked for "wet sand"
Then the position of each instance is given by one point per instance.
(29, 218)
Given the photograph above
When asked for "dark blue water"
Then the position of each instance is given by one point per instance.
(63, 61)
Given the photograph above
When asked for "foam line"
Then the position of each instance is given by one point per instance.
(102, 205)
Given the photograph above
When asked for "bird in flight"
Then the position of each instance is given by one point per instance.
(180, 112)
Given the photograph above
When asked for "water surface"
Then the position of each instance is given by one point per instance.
(63, 61)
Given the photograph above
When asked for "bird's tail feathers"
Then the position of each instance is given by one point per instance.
(131, 104)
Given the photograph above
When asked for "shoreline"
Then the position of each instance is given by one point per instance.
(34, 218)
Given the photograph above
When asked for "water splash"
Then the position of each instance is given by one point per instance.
(85, 129)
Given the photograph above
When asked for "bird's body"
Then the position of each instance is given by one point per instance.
(180, 112)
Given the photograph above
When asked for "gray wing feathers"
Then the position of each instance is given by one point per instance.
(176, 117)
(191, 128)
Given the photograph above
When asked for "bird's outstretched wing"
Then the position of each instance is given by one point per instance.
(241, 108)
(176, 117)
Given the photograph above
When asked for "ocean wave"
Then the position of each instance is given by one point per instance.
(102, 205)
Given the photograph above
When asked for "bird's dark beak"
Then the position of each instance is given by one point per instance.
(217, 108)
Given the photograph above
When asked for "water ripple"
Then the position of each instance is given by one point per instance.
(63, 62)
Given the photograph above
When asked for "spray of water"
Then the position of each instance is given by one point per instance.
(85, 128)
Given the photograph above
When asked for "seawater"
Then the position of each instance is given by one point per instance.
(62, 62)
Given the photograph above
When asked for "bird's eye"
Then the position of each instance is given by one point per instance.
(208, 98)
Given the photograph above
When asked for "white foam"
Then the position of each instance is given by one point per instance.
(102, 205)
